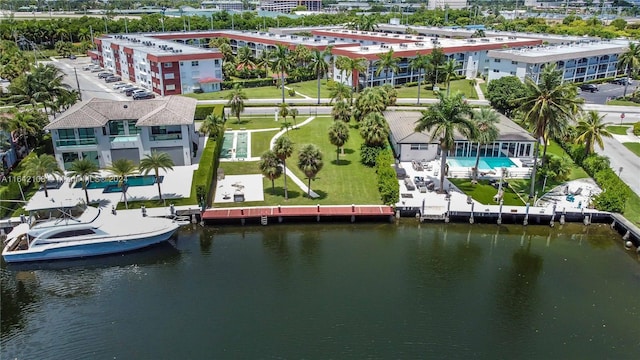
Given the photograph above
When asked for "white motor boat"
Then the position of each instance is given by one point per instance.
(82, 231)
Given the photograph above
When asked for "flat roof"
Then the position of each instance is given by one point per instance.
(156, 46)
(283, 38)
(545, 54)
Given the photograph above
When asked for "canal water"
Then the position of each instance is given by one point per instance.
(335, 291)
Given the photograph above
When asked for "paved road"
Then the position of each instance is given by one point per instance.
(90, 85)
(606, 91)
(621, 157)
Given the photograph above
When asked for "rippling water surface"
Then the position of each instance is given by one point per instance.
(335, 291)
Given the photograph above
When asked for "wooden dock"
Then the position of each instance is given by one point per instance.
(265, 215)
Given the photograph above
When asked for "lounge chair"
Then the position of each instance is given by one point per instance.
(578, 191)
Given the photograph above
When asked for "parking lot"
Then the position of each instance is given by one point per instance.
(606, 91)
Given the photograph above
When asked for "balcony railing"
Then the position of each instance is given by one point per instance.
(75, 142)
(122, 138)
(162, 137)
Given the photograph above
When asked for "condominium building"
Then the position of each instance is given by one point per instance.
(285, 6)
(103, 130)
(442, 4)
(165, 67)
(579, 62)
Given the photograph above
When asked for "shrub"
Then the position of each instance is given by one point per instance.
(369, 154)
(248, 83)
(388, 185)
(595, 163)
(292, 92)
(411, 84)
(202, 111)
(614, 192)
(636, 129)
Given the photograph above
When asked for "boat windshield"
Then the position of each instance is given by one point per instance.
(58, 213)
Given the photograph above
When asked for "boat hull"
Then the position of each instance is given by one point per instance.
(88, 249)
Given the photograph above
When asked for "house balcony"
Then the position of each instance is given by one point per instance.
(124, 141)
(75, 143)
(165, 137)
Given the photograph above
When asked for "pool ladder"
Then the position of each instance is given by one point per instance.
(264, 220)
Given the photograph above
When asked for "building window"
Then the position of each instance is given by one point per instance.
(133, 129)
(170, 87)
(496, 70)
(496, 60)
(419, 146)
(66, 134)
(116, 128)
(216, 62)
(168, 65)
(195, 63)
(171, 132)
(514, 63)
(169, 76)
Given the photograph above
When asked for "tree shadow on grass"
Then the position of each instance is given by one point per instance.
(341, 162)
(349, 151)
(279, 191)
(321, 194)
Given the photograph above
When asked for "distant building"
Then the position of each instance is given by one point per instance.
(102, 131)
(285, 6)
(225, 4)
(579, 62)
(165, 67)
(442, 4)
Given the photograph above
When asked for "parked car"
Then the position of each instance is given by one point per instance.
(104, 75)
(623, 81)
(72, 57)
(130, 91)
(89, 67)
(588, 87)
(113, 78)
(96, 69)
(143, 95)
(119, 85)
(127, 87)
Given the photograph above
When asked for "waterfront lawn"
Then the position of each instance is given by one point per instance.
(463, 85)
(633, 146)
(252, 123)
(264, 92)
(260, 141)
(484, 192)
(617, 129)
(310, 88)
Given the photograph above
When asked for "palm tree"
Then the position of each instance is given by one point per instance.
(264, 61)
(319, 65)
(374, 129)
(341, 111)
(284, 112)
(443, 119)
(283, 148)
(212, 125)
(40, 167)
(372, 99)
(486, 120)
(301, 55)
(547, 108)
(83, 169)
(591, 129)
(281, 62)
(154, 162)
(293, 112)
(352, 67)
(121, 169)
(245, 58)
(310, 163)
(629, 61)
(339, 92)
(386, 62)
(270, 167)
(436, 60)
(236, 101)
(419, 62)
(450, 68)
(338, 136)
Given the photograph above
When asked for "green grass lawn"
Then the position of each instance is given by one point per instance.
(484, 193)
(261, 122)
(310, 88)
(260, 141)
(265, 92)
(617, 129)
(633, 146)
(458, 85)
(622, 103)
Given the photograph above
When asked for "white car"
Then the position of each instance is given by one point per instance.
(126, 87)
(119, 85)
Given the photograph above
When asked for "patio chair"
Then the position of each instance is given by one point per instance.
(578, 191)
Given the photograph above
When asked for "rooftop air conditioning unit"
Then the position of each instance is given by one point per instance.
(408, 37)
(364, 48)
(499, 39)
(404, 45)
(396, 36)
(512, 38)
(419, 44)
(420, 37)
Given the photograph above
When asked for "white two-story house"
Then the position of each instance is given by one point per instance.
(106, 130)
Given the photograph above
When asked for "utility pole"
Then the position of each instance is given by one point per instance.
(91, 30)
(126, 27)
(75, 71)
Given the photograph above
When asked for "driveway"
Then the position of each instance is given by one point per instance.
(623, 161)
(605, 92)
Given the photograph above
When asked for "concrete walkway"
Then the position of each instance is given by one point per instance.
(479, 89)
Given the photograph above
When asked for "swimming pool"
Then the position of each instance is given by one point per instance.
(227, 145)
(241, 145)
(487, 163)
(145, 180)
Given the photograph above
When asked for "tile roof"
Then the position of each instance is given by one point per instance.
(172, 110)
(403, 123)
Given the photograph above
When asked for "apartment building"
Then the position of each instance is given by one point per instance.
(165, 67)
(104, 130)
(286, 6)
(579, 62)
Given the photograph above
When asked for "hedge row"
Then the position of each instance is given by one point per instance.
(388, 185)
(10, 190)
(248, 83)
(636, 129)
(202, 111)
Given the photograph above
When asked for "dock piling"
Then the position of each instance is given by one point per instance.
(526, 215)
(471, 220)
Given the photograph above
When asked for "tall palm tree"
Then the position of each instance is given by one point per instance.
(338, 136)
(245, 58)
(310, 163)
(281, 63)
(283, 148)
(374, 129)
(293, 112)
(486, 120)
(387, 62)
(547, 108)
(264, 61)
(372, 99)
(443, 119)
(449, 69)
(40, 167)
(590, 130)
(341, 111)
(25, 124)
(629, 61)
(420, 63)
(319, 65)
(154, 162)
(284, 112)
(302, 55)
(436, 60)
(121, 169)
(83, 169)
(270, 167)
(351, 67)
(236, 101)
(339, 92)
(212, 125)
